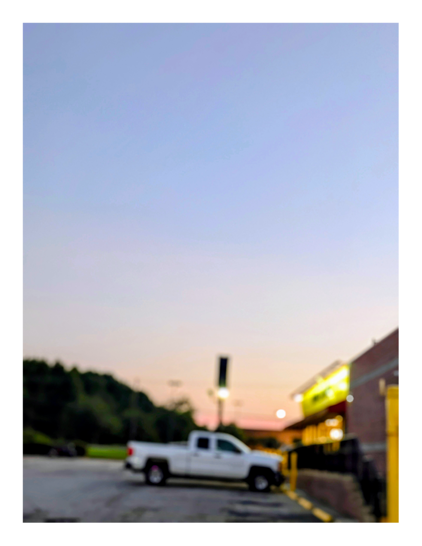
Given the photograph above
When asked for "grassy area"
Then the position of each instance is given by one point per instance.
(106, 452)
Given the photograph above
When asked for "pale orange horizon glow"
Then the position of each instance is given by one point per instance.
(260, 381)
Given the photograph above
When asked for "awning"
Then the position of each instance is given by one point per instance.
(314, 419)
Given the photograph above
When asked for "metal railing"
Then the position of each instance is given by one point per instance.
(347, 459)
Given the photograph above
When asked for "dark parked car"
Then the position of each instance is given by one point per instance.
(63, 451)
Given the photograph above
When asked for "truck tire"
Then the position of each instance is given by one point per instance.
(156, 474)
(260, 481)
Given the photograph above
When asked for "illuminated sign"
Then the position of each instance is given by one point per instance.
(326, 392)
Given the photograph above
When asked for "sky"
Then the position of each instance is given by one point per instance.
(195, 190)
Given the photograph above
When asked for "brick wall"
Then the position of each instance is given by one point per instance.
(366, 414)
(340, 491)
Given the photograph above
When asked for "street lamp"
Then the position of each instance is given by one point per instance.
(223, 393)
(281, 414)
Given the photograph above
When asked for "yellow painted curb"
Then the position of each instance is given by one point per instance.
(292, 495)
(305, 503)
(320, 514)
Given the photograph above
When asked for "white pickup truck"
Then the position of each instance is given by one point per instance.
(207, 455)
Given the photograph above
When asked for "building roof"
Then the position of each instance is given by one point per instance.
(374, 342)
(332, 367)
(322, 375)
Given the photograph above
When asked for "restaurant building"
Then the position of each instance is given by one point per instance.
(324, 402)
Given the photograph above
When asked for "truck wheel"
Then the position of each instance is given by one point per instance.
(155, 474)
(260, 481)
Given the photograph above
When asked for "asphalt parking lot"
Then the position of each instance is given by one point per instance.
(93, 490)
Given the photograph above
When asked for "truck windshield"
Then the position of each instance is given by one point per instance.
(240, 445)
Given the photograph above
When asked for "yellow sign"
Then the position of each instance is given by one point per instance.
(327, 392)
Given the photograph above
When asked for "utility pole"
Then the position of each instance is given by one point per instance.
(173, 384)
(237, 404)
(220, 411)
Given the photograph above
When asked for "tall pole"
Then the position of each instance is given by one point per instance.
(392, 418)
(222, 386)
(220, 411)
(237, 404)
(173, 384)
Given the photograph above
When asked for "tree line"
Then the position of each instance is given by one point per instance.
(96, 408)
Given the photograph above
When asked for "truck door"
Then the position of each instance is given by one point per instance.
(230, 461)
(202, 457)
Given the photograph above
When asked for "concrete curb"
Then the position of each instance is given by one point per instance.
(305, 503)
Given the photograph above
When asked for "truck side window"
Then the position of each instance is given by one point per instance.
(203, 443)
(224, 445)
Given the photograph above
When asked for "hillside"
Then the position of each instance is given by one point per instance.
(96, 408)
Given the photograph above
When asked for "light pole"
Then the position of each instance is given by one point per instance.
(223, 391)
(222, 394)
(174, 384)
(219, 397)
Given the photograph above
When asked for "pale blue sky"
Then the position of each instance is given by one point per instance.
(197, 189)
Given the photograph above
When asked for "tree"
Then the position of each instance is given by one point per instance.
(175, 425)
(139, 425)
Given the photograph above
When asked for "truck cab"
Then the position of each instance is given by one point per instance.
(217, 455)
